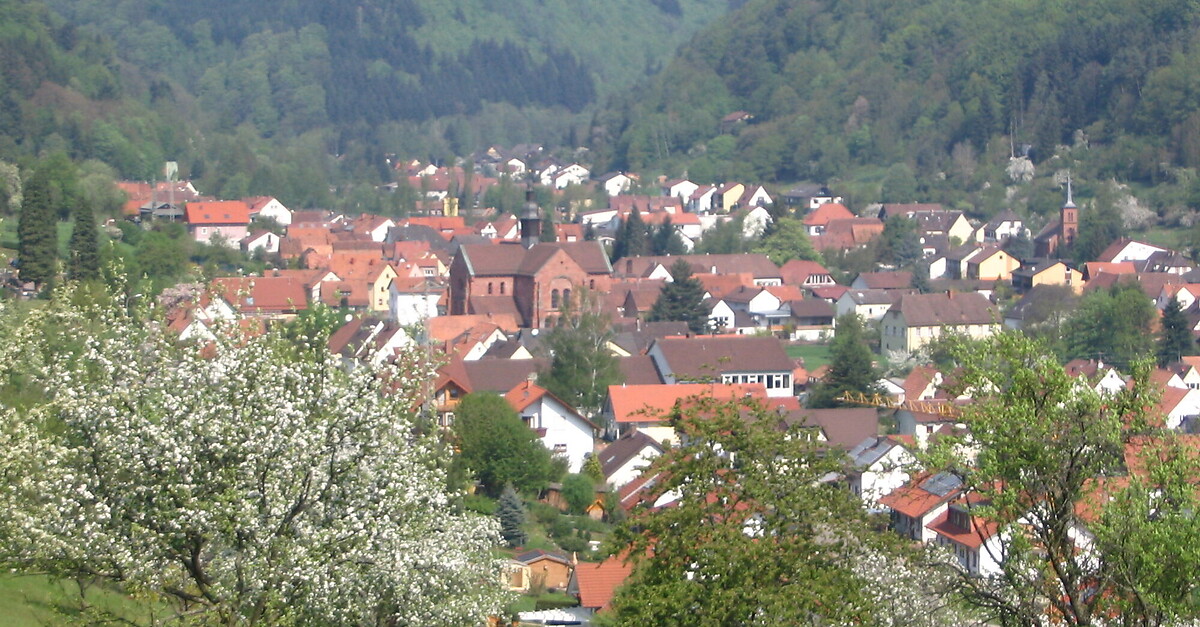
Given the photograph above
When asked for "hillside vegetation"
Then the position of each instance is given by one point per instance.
(938, 86)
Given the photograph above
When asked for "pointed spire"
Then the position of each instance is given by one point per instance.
(1070, 204)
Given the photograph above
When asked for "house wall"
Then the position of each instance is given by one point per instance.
(277, 212)
(884, 476)
(233, 234)
(408, 308)
(633, 468)
(566, 433)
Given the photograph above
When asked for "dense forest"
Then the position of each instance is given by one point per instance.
(934, 90)
(304, 95)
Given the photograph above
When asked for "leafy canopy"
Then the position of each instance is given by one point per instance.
(239, 483)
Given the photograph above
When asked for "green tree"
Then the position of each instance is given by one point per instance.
(548, 233)
(593, 469)
(851, 365)
(496, 447)
(83, 262)
(1099, 226)
(37, 232)
(510, 511)
(579, 492)
(1109, 474)
(681, 299)
(581, 364)
(787, 240)
(632, 238)
(1113, 325)
(666, 240)
(1175, 334)
(900, 244)
(753, 535)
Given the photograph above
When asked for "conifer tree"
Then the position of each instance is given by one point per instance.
(682, 299)
(510, 511)
(1175, 338)
(666, 240)
(633, 236)
(37, 237)
(851, 365)
(548, 234)
(83, 250)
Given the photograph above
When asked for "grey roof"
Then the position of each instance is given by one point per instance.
(704, 357)
(945, 309)
(870, 450)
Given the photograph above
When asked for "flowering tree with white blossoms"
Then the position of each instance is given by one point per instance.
(238, 484)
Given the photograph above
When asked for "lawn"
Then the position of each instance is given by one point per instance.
(36, 601)
(814, 355)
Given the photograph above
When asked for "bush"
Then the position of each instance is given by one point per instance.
(480, 504)
(579, 492)
(544, 513)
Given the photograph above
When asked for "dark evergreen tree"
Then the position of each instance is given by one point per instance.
(901, 243)
(666, 240)
(83, 262)
(636, 237)
(851, 365)
(37, 235)
(1175, 336)
(510, 511)
(682, 299)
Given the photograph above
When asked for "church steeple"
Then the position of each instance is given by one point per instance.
(1069, 215)
(531, 220)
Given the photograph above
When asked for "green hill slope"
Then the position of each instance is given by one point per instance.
(839, 85)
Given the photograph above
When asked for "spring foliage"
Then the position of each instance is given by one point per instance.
(239, 484)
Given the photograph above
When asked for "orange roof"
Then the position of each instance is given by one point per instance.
(826, 212)
(974, 537)
(446, 328)
(218, 212)
(913, 500)
(785, 292)
(262, 294)
(524, 394)
(598, 582)
(439, 223)
(719, 285)
(651, 403)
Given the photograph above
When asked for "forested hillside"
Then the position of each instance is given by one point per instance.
(935, 85)
(251, 95)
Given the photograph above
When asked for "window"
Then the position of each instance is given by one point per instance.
(591, 284)
(554, 299)
(502, 288)
(489, 288)
(566, 298)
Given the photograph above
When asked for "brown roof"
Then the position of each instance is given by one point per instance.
(945, 309)
(925, 492)
(848, 233)
(886, 280)
(639, 370)
(446, 328)
(844, 426)
(700, 358)
(626, 448)
(500, 375)
(510, 259)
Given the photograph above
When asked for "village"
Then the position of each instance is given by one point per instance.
(480, 290)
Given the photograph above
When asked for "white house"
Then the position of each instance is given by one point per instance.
(624, 460)
(867, 304)
(881, 465)
(725, 359)
(680, 188)
(573, 174)
(615, 183)
(269, 207)
(755, 222)
(372, 341)
(560, 428)
(413, 299)
(266, 241)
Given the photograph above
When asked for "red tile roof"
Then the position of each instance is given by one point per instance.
(218, 212)
(598, 582)
(652, 403)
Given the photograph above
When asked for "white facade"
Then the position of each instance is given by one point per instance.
(409, 308)
(277, 212)
(561, 430)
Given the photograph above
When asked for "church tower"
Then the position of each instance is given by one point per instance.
(531, 221)
(1069, 216)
